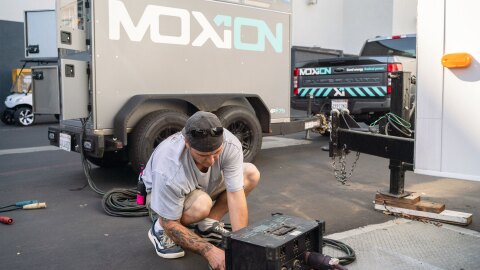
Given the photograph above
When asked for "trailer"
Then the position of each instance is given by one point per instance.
(447, 138)
(446, 141)
(131, 72)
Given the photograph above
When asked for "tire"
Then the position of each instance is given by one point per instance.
(8, 117)
(150, 132)
(245, 126)
(24, 116)
(110, 160)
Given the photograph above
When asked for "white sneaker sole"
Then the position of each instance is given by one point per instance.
(163, 255)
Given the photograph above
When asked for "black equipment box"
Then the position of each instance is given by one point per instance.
(276, 243)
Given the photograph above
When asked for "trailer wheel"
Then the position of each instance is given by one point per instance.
(8, 117)
(24, 116)
(150, 132)
(245, 126)
(109, 160)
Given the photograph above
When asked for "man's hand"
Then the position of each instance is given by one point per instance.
(216, 258)
(189, 240)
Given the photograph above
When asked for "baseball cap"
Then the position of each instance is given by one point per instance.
(204, 131)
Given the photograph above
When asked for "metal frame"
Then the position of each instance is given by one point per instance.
(347, 134)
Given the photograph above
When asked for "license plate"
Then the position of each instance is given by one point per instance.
(339, 104)
(65, 142)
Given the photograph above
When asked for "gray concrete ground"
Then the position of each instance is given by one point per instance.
(297, 179)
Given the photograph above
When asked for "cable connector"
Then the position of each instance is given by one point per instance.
(141, 189)
(35, 206)
(22, 203)
(6, 220)
(320, 261)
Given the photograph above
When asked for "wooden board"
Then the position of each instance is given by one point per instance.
(447, 216)
(412, 202)
(419, 206)
(412, 198)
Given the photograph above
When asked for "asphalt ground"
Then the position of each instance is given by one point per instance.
(73, 232)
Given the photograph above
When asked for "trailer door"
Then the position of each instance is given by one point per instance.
(448, 134)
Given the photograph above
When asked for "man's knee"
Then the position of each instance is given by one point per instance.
(197, 204)
(251, 176)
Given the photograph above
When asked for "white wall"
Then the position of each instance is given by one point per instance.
(12, 10)
(404, 17)
(318, 25)
(363, 20)
(346, 24)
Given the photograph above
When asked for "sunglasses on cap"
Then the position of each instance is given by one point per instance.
(202, 133)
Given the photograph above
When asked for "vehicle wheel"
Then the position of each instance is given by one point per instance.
(57, 116)
(24, 116)
(150, 132)
(109, 160)
(8, 117)
(245, 126)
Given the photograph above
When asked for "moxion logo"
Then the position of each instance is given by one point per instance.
(231, 36)
(339, 92)
(315, 71)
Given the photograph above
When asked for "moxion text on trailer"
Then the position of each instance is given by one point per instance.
(119, 16)
(315, 71)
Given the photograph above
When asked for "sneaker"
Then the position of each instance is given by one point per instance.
(164, 246)
(214, 234)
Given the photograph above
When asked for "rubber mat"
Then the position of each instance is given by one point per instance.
(403, 244)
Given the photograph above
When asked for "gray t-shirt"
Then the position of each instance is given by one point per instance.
(171, 174)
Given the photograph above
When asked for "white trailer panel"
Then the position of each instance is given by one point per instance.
(40, 34)
(447, 136)
(188, 47)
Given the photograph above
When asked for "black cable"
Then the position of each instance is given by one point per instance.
(123, 203)
(117, 202)
(350, 253)
(8, 210)
(394, 120)
(7, 206)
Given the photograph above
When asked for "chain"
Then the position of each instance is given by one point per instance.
(341, 173)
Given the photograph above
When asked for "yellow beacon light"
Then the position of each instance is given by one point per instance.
(456, 60)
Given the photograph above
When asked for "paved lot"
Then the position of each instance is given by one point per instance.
(74, 233)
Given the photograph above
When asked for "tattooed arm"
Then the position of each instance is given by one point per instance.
(189, 240)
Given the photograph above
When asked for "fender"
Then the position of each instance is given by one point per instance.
(140, 105)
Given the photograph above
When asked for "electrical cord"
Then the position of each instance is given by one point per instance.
(11, 209)
(122, 203)
(350, 253)
(395, 121)
(26, 205)
(118, 202)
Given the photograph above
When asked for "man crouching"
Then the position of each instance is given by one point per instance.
(197, 176)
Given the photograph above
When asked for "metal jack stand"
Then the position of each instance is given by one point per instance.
(347, 135)
(309, 114)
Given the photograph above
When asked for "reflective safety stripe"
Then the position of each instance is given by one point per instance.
(359, 91)
(350, 91)
(366, 91)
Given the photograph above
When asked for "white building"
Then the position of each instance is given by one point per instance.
(346, 24)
